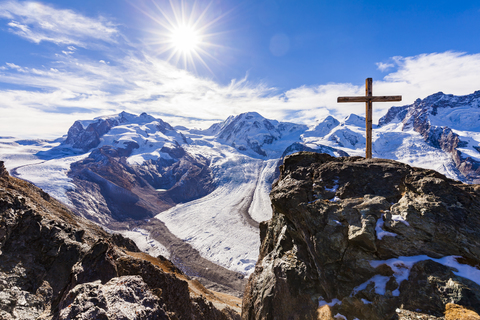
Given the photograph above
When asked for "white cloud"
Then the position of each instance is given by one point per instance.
(39, 22)
(384, 66)
(147, 84)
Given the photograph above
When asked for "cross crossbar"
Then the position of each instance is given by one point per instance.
(372, 98)
(368, 99)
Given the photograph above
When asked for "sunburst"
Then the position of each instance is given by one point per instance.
(185, 33)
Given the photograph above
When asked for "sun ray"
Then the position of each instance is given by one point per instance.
(185, 32)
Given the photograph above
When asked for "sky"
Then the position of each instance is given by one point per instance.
(194, 63)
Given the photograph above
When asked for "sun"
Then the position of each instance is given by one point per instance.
(185, 39)
(186, 32)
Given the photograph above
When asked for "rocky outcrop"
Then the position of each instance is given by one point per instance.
(55, 265)
(86, 138)
(354, 238)
(297, 147)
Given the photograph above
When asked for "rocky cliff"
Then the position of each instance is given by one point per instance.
(55, 265)
(354, 238)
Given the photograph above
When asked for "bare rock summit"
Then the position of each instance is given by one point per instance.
(355, 238)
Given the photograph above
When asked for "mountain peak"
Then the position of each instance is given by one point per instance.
(354, 120)
(87, 134)
(323, 128)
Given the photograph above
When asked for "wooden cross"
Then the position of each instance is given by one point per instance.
(368, 99)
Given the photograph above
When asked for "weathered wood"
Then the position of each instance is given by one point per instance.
(369, 99)
(373, 99)
(368, 118)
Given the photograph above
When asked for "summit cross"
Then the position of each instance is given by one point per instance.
(368, 99)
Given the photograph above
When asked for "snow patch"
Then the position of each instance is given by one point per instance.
(335, 199)
(397, 217)
(401, 267)
(380, 231)
(335, 301)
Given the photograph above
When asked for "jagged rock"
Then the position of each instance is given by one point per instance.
(55, 265)
(3, 170)
(431, 286)
(369, 237)
(125, 297)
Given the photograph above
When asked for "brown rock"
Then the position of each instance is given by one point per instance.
(456, 312)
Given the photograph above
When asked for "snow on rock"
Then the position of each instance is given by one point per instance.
(401, 267)
(250, 132)
(335, 301)
(380, 231)
(347, 137)
(354, 120)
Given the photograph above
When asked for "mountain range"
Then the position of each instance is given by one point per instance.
(198, 196)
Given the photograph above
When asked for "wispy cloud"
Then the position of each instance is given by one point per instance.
(74, 87)
(39, 22)
(384, 66)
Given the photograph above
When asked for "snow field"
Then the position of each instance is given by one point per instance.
(216, 225)
(51, 176)
(16, 155)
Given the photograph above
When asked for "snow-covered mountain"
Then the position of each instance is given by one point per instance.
(448, 123)
(209, 189)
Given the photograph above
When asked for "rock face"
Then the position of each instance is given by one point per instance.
(365, 239)
(55, 265)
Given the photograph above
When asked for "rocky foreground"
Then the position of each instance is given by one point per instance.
(55, 265)
(354, 238)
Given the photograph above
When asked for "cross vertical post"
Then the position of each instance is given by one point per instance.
(369, 98)
(368, 118)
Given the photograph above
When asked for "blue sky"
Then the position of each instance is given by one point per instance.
(289, 60)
